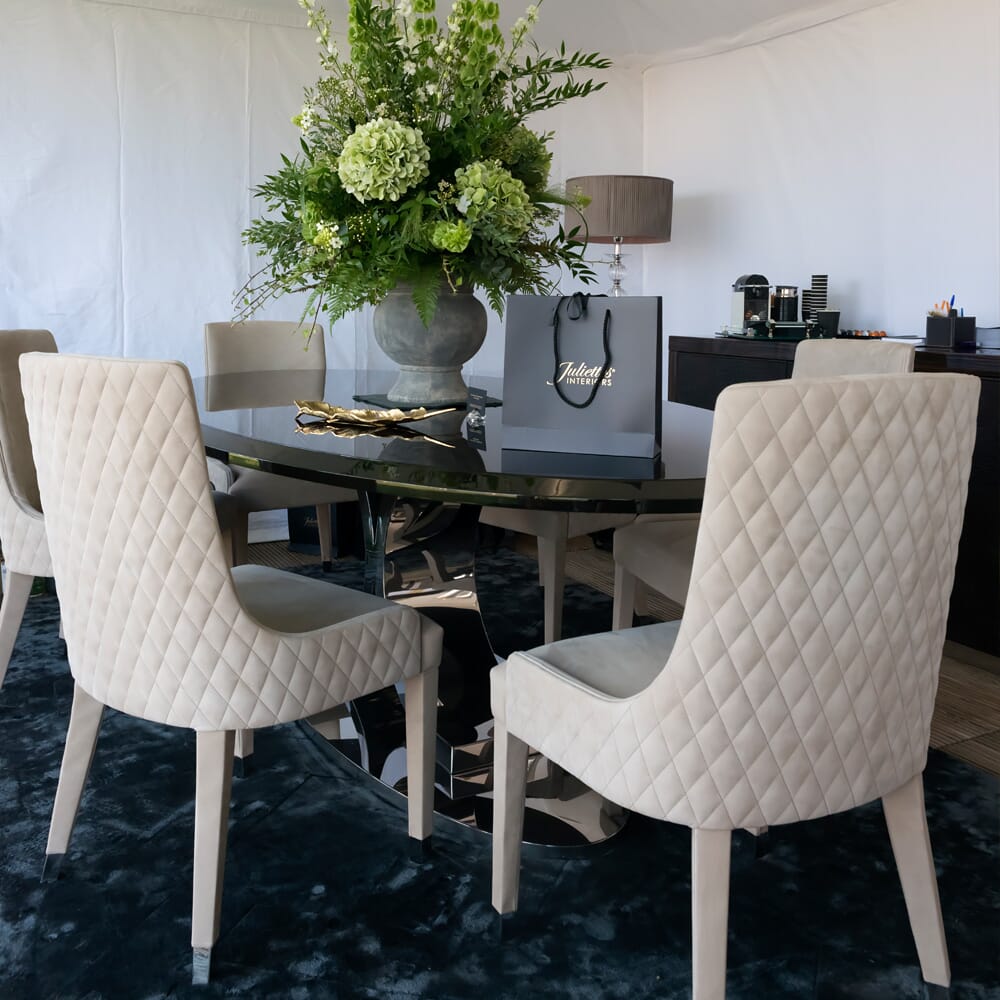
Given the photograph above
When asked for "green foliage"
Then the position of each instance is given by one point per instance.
(417, 164)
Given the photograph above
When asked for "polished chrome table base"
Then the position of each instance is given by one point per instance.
(422, 552)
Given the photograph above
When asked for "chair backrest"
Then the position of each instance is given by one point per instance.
(263, 346)
(804, 673)
(823, 358)
(17, 468)
(153, 624)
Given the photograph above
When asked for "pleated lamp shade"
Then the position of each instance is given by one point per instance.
(625, 208)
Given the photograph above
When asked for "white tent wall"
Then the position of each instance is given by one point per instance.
(866, 148)
(130, 138)
(60, 233)
(127, 141)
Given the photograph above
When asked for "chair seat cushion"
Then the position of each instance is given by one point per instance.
(659, 553)
(289, 602)
(612, 664)
(255, 490)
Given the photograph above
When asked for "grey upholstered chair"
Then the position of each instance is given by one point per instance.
(800, 681)
(22, 527)
(656, 551)
(159, 626)
(264, 345)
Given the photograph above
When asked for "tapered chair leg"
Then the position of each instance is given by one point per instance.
(552, 562)
(544, 556)
(227, 544)
(15, 600)
(710, 853)
(624, 600)
(81, 741)
(421, 735)
(241, 538)
(325, 527)
(242, 752)
(640, 604)
(906, 818)
(510, 779)
(214, 777)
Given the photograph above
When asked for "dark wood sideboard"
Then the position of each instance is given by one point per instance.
(701, 367)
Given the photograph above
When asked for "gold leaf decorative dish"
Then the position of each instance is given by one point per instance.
(342, 416)
(342, 422)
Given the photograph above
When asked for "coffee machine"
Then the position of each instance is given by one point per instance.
(751, 298)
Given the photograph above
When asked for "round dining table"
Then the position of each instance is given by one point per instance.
(421, 485)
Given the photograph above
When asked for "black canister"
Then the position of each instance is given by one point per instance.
(785, 304)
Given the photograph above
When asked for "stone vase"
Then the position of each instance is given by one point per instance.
(430, 359)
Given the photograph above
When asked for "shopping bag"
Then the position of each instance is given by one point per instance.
(583, 373)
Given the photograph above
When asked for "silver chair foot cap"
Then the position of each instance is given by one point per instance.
(201, 962)
(52, 867)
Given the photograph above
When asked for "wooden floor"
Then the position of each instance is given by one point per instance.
(966, 720)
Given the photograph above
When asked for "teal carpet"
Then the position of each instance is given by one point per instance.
(322, 899)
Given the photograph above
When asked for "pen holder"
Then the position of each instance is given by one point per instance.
(951, 331)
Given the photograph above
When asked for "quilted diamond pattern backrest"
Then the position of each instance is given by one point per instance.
(263, 346)
(805, 670)
(18, 467)
(146, 595)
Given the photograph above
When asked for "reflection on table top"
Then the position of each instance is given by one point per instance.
(249, 419)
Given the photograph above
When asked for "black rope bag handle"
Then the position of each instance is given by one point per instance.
(576, 308)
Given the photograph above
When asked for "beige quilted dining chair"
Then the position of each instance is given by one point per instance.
(159, 626)
(655, 551)
(261, 346)
(22, 527)
(801, 679)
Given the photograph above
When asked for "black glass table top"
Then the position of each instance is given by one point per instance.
(249, 419)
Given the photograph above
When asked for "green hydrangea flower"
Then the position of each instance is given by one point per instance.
(493, 199)
(451, 236)
(525, 154)
(382, 159)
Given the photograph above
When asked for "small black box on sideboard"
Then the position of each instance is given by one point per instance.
(951, 331)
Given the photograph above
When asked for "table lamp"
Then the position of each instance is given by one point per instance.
(623, 208)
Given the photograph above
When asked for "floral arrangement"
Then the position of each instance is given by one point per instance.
(417, 166)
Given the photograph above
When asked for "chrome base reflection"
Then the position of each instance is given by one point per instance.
(423, 553)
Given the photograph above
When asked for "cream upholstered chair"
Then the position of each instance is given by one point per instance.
(821, 358)
(22, 527)
(160, 627)
(801, 679)
(552, 529)
(258, 346)
(656, 551)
